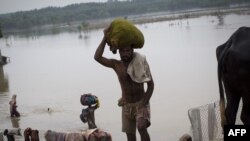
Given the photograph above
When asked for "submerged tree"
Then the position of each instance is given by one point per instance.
(85, 28)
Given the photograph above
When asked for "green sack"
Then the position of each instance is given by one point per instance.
(123, 33)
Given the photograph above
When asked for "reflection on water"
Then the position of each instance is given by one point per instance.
(53, 70)
(15, 122)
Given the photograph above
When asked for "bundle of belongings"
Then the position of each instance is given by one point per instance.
(31, 134)
(89, 135)
(123, 33)
(88, 99)
(10, 134)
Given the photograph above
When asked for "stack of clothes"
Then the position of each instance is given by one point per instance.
(89, 135)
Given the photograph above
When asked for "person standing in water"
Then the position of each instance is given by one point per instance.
(13, 107)
(131, 76)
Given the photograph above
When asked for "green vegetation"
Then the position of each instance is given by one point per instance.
(90, 11)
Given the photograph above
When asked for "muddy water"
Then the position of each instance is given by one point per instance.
(52, 71)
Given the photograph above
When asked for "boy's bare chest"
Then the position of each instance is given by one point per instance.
(121, 71)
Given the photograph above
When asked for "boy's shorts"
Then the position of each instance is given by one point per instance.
(131, 112)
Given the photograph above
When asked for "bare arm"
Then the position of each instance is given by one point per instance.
(95, 107)
(99, 53)
(150, 86)
(149, 92)
(150, 89)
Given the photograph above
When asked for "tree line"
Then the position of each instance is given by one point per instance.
(101, 10)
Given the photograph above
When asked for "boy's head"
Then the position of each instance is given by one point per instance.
(126, 53)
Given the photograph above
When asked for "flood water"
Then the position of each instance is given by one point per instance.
(53, 70)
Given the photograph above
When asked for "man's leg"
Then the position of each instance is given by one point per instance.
(142, 128)
(131, 137)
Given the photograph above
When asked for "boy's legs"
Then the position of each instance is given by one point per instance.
(91, 118)
(142, 128)
(143, 121)
(131, 136)
(128, 123)
(91, 124)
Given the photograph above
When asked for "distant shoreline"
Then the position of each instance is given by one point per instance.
(168, 16)
(137, 19)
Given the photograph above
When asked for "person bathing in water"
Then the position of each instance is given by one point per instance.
(13, 107)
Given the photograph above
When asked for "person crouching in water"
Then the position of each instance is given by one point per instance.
(13, 107)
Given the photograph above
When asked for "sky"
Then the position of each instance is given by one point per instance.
(7, 6)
